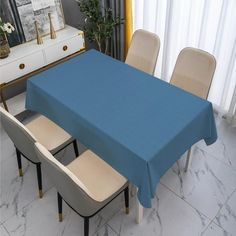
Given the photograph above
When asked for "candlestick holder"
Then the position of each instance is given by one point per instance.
(38, 35)
(52, 31)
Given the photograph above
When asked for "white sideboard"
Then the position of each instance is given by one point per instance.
(30, 58)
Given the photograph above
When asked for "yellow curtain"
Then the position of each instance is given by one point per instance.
(128, 24)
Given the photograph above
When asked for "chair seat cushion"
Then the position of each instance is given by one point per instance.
(100, 179)
(48, 133)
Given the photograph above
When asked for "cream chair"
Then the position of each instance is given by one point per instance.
(193, 72)
(143, 51)
(39, 129)
(87, 184)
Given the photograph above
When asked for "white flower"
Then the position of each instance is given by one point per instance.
(8, 28)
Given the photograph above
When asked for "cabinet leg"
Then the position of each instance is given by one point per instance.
(3, 100)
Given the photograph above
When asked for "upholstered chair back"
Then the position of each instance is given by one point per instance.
(143, 51)
(72, 190)
(22, 138)
(194, 70)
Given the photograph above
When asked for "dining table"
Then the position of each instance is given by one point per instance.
(137, 123)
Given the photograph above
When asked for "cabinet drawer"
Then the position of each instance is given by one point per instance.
(64, 48)
(21, 67)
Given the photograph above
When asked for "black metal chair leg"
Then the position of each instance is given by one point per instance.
(76, 148)
(59, 202)
(39, 175)
(126, 193)
(86, 226)
(18, 156)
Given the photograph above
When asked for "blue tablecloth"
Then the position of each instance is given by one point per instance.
(139, 124)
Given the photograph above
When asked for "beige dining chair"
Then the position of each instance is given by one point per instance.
(143, 51)
(39, 129)
(87, 184)
(193, 72)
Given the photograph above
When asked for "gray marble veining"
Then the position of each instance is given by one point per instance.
(169, 215)
(3, 231)
(206, 186)
(40, 218)
(226, 218)
(17, 192)
(199, 202)
(214, 230)
(106, 230)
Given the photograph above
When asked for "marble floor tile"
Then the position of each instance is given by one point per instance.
(17, 192)
(118, 204)
(226, 218)
(7, 148)
(168, 216)
(3, 231)
(106, 230)
(40, 218)
(215, 230)
(207, 184)
(199, 202)
(224, 149)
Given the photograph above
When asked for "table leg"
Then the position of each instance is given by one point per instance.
(139, 210)
(188, 160)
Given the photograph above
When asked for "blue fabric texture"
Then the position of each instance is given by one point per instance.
(137, 123)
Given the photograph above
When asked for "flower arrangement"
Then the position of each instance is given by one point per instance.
(6, 28)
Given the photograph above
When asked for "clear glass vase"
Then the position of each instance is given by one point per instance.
(4, 46)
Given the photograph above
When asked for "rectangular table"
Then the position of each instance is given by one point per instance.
(137, 123)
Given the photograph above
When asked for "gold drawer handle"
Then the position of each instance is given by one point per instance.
(22, 66)
(65, 48)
